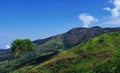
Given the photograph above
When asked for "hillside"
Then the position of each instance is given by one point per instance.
(45, 49)
(4, 54)
(99, 55)
(71, 38)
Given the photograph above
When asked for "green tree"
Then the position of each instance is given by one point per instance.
(21, 45)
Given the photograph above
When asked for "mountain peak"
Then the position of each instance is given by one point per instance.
(96, 27)
(84, 28)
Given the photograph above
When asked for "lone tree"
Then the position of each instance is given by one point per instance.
(21, 45)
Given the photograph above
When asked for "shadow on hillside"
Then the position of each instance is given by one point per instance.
(35, 61)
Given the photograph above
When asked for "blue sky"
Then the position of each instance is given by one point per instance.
(36, 19)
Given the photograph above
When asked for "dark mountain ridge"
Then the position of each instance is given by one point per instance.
(4, 51)
(78, 35)
(5, 54)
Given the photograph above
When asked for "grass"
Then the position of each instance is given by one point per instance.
(99, 55)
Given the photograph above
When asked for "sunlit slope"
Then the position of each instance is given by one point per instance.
(99, 55)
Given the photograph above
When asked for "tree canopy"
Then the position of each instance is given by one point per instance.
(22, 45)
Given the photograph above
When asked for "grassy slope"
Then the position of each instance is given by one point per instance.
(49, 47)
(99, 55)
(55, 43)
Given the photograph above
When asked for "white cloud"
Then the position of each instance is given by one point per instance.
(107, 9)
(87, 19)
(114, 18)
(7, 46)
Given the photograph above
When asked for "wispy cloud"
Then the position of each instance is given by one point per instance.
(114, 18)
(87, 19)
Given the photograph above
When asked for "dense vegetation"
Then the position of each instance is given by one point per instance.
(99, 55)
(22, 45)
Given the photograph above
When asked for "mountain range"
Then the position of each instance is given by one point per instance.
(71, 38)
(63, 53)
(3, 51)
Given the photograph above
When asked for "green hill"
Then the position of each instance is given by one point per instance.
(47, 48)
(99, 55)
